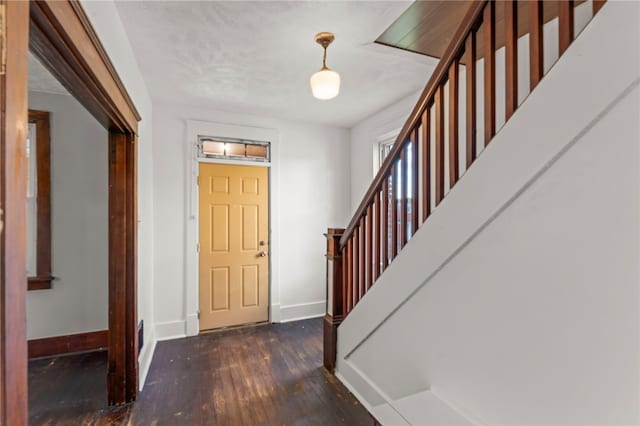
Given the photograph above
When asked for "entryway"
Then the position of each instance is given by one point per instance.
(233, 245)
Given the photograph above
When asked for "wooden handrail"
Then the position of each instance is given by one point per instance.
(469, 22)
(415, 179)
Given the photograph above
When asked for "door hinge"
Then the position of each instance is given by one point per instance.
(198, 180)
(3, 37)
(198, 248)
(198, 314)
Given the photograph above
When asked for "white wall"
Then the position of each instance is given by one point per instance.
(78, 301)
(518, 300)
(106, 21)
(314, 194)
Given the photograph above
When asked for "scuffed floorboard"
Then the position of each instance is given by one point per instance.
(264, 375)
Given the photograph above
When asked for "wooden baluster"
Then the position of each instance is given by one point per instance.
(376, 233)
(345, 279)
(511, 56)
(369, 239)
(565, 19)
(384, 215)
(536, 43)
(454, 173)
(362, 263)
(489, 23)
(356, 266)
(415, 223)
(350, 274)
(470, 60)
(426, 164)
(439, 105)
(402, 190)
(597, 5)
(393, 207)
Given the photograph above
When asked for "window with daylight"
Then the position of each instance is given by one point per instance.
(234, 149)
(385, 148)
(398, 192)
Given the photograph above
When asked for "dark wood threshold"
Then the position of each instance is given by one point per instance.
(58, 345)
(39, 283)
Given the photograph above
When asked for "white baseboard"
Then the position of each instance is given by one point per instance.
(359, 384)
(189, 327)
(193, 325)
(145, 358)
(302, 311)
(170, 330)
(275, 313)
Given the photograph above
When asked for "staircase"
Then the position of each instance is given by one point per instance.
(490, 276)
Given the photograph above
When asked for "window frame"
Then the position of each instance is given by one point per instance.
(242, 158)
(43, 278)
(385, 140)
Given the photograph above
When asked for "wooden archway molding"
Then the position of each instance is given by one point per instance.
(62, 38)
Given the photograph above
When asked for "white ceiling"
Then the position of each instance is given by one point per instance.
(41, 80)
(257, 57)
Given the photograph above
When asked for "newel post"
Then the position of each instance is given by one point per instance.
(335, 306)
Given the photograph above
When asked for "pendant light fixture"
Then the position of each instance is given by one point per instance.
(325, 84)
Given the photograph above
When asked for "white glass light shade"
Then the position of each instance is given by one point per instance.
(325, 84)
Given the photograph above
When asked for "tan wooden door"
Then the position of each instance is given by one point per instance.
(234, 266)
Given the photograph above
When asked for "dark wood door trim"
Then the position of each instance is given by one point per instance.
(13, 184)
(60, 35)
(122, 379)
(64, 40)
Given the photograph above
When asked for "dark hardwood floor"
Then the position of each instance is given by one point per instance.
(263, 375)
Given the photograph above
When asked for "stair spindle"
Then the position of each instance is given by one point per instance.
(393, 208)
(414, 181)
(426, 164)
(362, 259)
(349, 302)
(384, 231)
(565, 19)
(511, 57)
(402, 191)
(489, 22)
(439, 105)
(369, 241)
(470, 63)
(536, 43)
(453, 123)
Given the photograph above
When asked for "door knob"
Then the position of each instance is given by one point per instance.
(262, 254)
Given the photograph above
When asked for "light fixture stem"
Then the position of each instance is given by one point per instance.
(324, 57)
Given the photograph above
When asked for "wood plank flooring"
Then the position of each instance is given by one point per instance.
(263, 375)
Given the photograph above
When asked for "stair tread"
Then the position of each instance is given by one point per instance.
(387, 416)
(426, 409)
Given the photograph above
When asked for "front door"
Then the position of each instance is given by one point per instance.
(234, 231)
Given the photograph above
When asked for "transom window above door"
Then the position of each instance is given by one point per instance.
(234, 149)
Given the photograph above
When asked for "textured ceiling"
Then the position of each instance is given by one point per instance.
(41, 80)
(257, 57)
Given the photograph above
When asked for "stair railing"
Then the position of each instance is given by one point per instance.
(410, 183)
